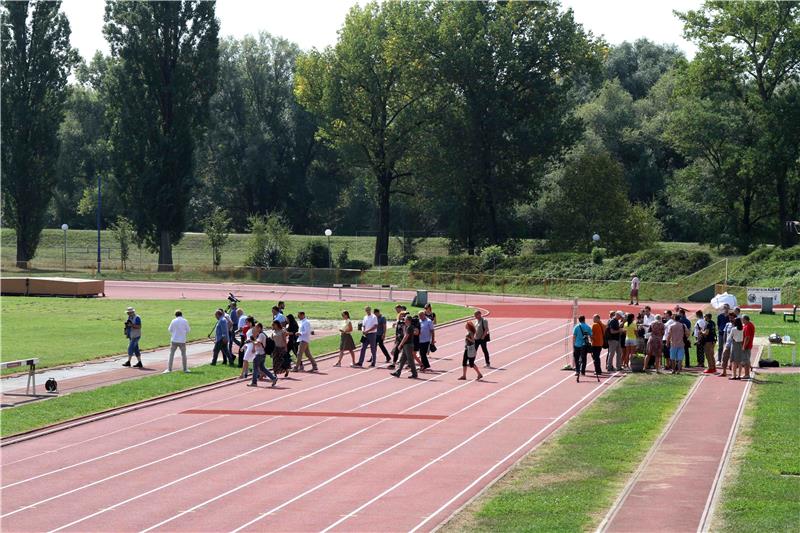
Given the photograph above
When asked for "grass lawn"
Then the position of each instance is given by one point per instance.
(768, 324)
(763, 491)
(68, 330)
(38, 414)
(569, 482)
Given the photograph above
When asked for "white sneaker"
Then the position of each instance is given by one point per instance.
(167, 371)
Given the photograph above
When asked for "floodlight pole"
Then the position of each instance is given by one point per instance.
(64, 228)
(99, 208)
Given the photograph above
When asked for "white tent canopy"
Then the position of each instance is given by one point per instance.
(720, 300)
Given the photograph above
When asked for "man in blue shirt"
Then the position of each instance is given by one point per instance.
(581, 340)
(277, 315)
(687, 344)
(221, 339)
(133, 330)
(427, 337)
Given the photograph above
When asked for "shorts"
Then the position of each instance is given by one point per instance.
(746, 357)
(676, 354)
(634, 293)
(631, 342)
(467, 361)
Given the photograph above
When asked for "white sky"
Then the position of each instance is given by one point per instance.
(314, 23)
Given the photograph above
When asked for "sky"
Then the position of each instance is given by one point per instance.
(314, 23)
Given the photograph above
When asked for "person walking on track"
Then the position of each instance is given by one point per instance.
(221, 339)
(482, 336)
(178, 330)
(259, 346)
(304, 340)
(398, 334)
(581, 341)
(249, 349)
(281, 360)
(381, 334)
(346, 339)
(406, 347)
(469, 353)
(427, 338)
(369, 331)
(133, 331)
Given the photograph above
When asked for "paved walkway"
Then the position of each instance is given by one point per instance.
(676, 484)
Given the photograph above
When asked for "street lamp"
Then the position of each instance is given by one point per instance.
(65, 227)
(596, 238)
(328, 234)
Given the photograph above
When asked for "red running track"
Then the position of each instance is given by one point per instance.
(161, 469)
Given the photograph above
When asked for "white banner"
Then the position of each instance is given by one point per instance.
(754, 295)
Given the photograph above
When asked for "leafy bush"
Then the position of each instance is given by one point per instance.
(768, 266)
(217, 227)
(468, 264)
(343, 261)
(313, 254)
(512, 247)
(454, 247)
(492, 257)
(598, 254)
(269, 241)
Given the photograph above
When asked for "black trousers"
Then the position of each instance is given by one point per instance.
(221, 345)
(424, 347)
(579, 358)
(481, 343)
(395, 350)
(596, 351)
(383, 348)
(687, 356)
(701, 355)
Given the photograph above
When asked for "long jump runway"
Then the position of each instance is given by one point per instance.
(345, 449)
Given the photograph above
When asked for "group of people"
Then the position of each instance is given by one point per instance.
(669, 337)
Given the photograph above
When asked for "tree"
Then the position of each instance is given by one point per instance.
(371, 94)
(159, 89)
(216, 226)
(639, 65)
(754, 47)
(510, 70)
(269, 241)
(124, 234)
(35, 60)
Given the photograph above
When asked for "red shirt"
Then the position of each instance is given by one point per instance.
(749, 334)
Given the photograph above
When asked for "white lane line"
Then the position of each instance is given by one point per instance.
(713, 494)
(183, 452)
(227, 399)
(519, 448)
(387, 450)
(268, 474)
(132, 446)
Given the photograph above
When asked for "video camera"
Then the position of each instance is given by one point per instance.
(231, 301)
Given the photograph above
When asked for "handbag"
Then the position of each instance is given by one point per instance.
(363, 339)
(433, 348)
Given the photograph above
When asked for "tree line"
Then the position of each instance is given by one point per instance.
(485, 122)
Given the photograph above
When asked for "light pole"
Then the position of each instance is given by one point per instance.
(99, 208)
(65, 227)
(328, 234)
(596, 238)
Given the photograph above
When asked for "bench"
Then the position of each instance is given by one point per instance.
(31, 372)
(790, 317)
(341, 286)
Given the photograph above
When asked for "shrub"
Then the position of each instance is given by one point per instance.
(269, 241)
(468, 264)
(313, 254)
(124, 233)
(216, 227)
(492, 257)
(343, 261)
(454, 247)
(598, 254)
(512, 247)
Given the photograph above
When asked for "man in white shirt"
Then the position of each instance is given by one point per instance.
(647, 320)
(178, 330)
(634, 288)
(304, 338)
(369, 330)
(697, 333)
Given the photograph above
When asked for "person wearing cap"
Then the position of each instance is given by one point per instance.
(304, 338)
(133, 331)
(178, 330)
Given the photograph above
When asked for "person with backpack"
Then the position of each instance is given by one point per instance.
(398, 334)
(260, 347)
(581, 340)
(482, 336)
(469, 353)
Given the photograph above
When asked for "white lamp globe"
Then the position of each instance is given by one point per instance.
(65, 227)
(596, 237)
(328, 233)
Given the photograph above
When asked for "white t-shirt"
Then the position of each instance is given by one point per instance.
(634, 283)
(737, 335)
(242, 321)
(304, 331)
(249, 351)
(370, 322)
(699, 326)
(179, 328)
(647, 321)
(667, 326)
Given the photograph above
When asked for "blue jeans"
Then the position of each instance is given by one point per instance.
(258, 366)
(133, 347)
(221, 345)
(371, 340)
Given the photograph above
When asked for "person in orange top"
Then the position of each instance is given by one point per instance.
(598, 342)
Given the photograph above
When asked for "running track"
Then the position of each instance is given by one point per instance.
(162, 469)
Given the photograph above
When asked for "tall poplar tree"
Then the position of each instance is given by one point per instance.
(36, 61)
(159, 91)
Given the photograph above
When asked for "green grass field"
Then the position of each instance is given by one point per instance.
(67, 330)
(34, 415)
(763, 492)
(768, 324)
(572, 479)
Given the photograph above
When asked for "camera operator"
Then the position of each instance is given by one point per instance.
(133, 331)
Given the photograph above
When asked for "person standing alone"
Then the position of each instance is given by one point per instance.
(482, 336)
(133, 330)
(178, 330)
(635, 288)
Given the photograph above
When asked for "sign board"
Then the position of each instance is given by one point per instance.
(754, 295)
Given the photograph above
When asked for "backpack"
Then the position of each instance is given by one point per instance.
(269, 346)
(768, 363)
